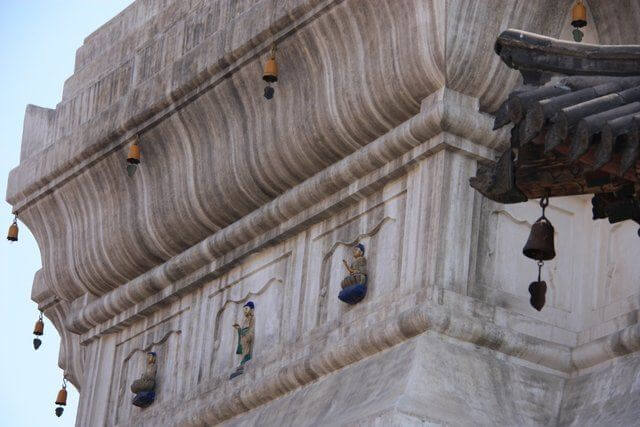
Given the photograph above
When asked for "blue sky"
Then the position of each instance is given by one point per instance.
(38, 41)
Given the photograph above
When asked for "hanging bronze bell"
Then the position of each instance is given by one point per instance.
(270, 74)
(12, 235)
(38, 329)
(540, 244)
(579, 15)
(134, 154)
(538, 290)
(61, 399)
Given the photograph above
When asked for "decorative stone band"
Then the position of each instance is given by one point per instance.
(229, 399)
(284, 156)
(614, 345)
(380, 161)
(140, 108)
(226, 115)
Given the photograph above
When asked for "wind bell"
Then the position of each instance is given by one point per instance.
(12, 235)
(578, 20)
(270, 74)
(133, 159)
(540, 247)
(61, 399)
(38, 330)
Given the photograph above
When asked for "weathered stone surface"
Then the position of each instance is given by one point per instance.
(378, 122)
(426, 379)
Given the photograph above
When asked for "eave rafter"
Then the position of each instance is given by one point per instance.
(576, 135)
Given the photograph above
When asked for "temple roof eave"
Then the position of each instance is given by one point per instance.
(577, 135)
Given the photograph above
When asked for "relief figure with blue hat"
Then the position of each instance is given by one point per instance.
(245, 337)
(144, 387)
(354, 285)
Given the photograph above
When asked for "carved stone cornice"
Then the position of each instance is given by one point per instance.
(98, 229)
(377, 163)
(366, 89)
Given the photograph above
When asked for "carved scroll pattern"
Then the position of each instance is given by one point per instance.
(380, 229)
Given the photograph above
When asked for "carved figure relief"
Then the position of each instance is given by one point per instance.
(145, 386)
(354, 285)
(245, 338)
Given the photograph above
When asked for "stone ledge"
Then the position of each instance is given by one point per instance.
(260, 384)
(302, 139)
(378, 162)
(616, 344)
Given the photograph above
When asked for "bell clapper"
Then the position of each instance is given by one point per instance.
(538, 290)
(38, 330)
(61, 398)
(270, 74)
(12, 235)
(578, 20)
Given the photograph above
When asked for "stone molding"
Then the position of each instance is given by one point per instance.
(95, 317)
(378, 162)
(272, 152)
(234, 52)
(220, 399)
(616, 344)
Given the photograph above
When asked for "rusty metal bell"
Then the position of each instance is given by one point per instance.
(538, 291)
(12, 235)
(578, 20)
(540, 243)
(61, 399)
(38, 329)
(270, 74)
(134, 153)
(579, 15)
(133, 159)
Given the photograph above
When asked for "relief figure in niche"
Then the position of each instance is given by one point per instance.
(245, 337)
(354, 286)
(145, 386)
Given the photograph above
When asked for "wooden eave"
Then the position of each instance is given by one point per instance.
(577, 135)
